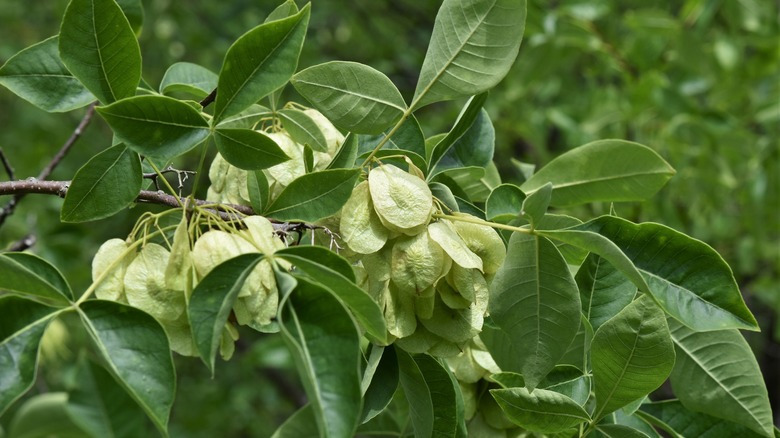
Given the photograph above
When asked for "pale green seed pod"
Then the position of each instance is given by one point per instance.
(484, 241)
(417, 263)
(281, 175)
(333, 137)
(145, 285)
(258, 307)
(469, 391)
(112, 287)
(360, 226)
(465, 368)
(452, 298)
(178, 272)
(215, 247)
(227, 344)
(228, 183)
(399, 312)
(402, 201)
(442, 232)
(458, 325)
(260, 232)
(180, 336)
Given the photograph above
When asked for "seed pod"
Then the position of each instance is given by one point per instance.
(260, 232)
(452, 298)
(227, 343)
(442, 233)
(333, 137)
(360, 226)
(457, 326)
(465, 368)
(259, 306)
(469, 391)
(417, 263)
(178, 272)
(399, 312)
(145, 285)
(377, 264)
(215, 247)
(180, 336)
(281, 175)
(423, 303)
(402, 201)
(484, 241)
(112, 287)
(228, 183)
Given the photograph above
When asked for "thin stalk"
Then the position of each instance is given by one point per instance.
(474, 220)
(401, 121)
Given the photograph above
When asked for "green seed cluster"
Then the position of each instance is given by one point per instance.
(429, 277)
(160, 280)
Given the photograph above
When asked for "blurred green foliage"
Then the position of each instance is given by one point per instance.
(696, 80)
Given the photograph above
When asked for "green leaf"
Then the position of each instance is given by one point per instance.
(354, 97)
(689, 423)
(325, 345)
(248, 149)
(716, 373)
(109, 182)
(186, 77)
(21, 330)
(134, 11)
(408, 137)
(444, 194)
(604, 291)
(301, 424)
(569, 381)
(604, 170)
(99, 47)
(431, 395)
(37, 75)
(541, 411)
(44, 415)
(158, 127)
(504, 203)
(347, 154)
(381, 385)
(472, 149)
(303, 129)
(473, 45)
(466, 119)
(259, 62)
(314, 196)
(259, 192)
(135, 349)
(308, 261)
(574, 255)
(578, 353)
(33, 277)
(632, 355)
(687, 277)
(619, 431)
(534, 300)
(282, 11)
(212, 301)
(535, 205)
(101, 407)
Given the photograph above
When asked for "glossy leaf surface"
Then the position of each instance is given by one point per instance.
(534, 300)
(135, 348)
(604, 291)
(353, 96)
(632, 355)
(186, 77)
(99, 47)
(604, 170)
(302, 129)
(33, 277)
(473, 45)
(259, 62)
(105, 185)
(325, 345)
(159, 127)
(541, 411)
(314, 196)
(212, 301)
(687, 423)
(717, 374)
(248, 149)
(37, 75)
(21, 330)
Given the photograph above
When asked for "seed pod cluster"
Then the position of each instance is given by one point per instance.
(229, 183)
(160, 281)
(430, 278)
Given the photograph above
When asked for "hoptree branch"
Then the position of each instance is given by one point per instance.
(10, 207)
(225, 211)
(6, 165)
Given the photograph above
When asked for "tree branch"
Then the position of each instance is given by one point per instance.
(6, 165)
(10, 207)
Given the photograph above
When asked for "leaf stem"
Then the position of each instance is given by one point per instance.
(475, 220)
(400, 122)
